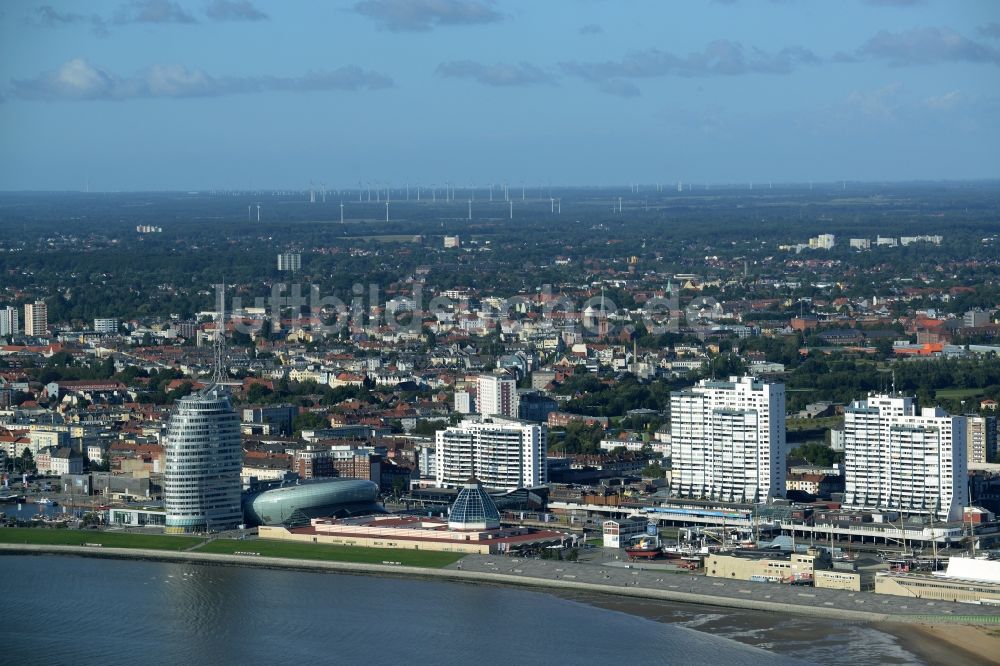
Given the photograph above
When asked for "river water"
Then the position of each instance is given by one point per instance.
(69, 610)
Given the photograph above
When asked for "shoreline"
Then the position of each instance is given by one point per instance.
(462, 575)
(952, 641)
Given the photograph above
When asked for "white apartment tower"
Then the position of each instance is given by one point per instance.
(504, 454)
(728, 440)
(496, 395)
(9, 321)
(36, 319)
(106, 325)
(289, 261)
(899, 458)
(201, 483)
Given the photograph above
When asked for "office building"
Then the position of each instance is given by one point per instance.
(900, 458)
(981, 439)
(201, 484)
(504, 454)
(279, 417)
(36, 319)
(9, 324)
(289, 261)
(728, 440)
(496, 395)
(108, 325)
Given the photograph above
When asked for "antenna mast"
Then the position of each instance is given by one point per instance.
(219, 345)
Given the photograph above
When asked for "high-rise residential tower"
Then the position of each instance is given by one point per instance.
(9, 321)
(496, 395)
(502, 453)
(36, 319)
(981, 439)
(899, 458)
(728, 440)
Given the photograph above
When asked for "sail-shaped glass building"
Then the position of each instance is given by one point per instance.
(201, 486)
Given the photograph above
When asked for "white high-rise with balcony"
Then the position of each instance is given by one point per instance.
(201, 483)
(496, 395)
(728, 440)
(504, 454)
(899, 458)
(36, 319)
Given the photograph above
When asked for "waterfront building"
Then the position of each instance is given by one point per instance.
(297, 502)
(473, 509)
(496, 395)
(728, 440)
(896, 457)
(503, 454)
(36, 319)
(966, 579)
(201, 484)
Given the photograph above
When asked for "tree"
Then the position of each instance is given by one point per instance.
(27, 461)
(308, 421)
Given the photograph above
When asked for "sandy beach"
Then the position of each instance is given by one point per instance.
(955, 645)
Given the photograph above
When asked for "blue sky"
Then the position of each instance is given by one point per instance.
(195, 94)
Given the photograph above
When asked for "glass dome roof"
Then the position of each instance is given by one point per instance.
(473, 509)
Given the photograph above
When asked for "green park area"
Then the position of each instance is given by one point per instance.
(310, 551)
(260, 547)
(69, 537)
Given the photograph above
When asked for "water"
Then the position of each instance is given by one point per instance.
(26, 511)
(60, 610)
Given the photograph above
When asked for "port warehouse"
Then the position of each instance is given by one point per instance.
(809, 524)
(815, 567)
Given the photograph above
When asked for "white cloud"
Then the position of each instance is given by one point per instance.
(80, 80)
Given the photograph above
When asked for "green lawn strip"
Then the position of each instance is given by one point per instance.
(70, 537)
(311, 551)
(958, 393)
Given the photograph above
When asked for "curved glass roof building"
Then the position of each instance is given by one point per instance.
(201, 482)
(296, 503)
(473, 509)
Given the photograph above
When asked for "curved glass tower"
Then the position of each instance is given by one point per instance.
(201, 486)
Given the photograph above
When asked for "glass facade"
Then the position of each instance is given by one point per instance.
(473, 510)
(201, 483)
(295, 504)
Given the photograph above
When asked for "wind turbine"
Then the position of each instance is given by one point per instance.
(386, 211)
(341, 212)
(258, 212)
(511, 204)
(249, 213)
(470, 209)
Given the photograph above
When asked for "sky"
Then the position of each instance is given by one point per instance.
(242, 94)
